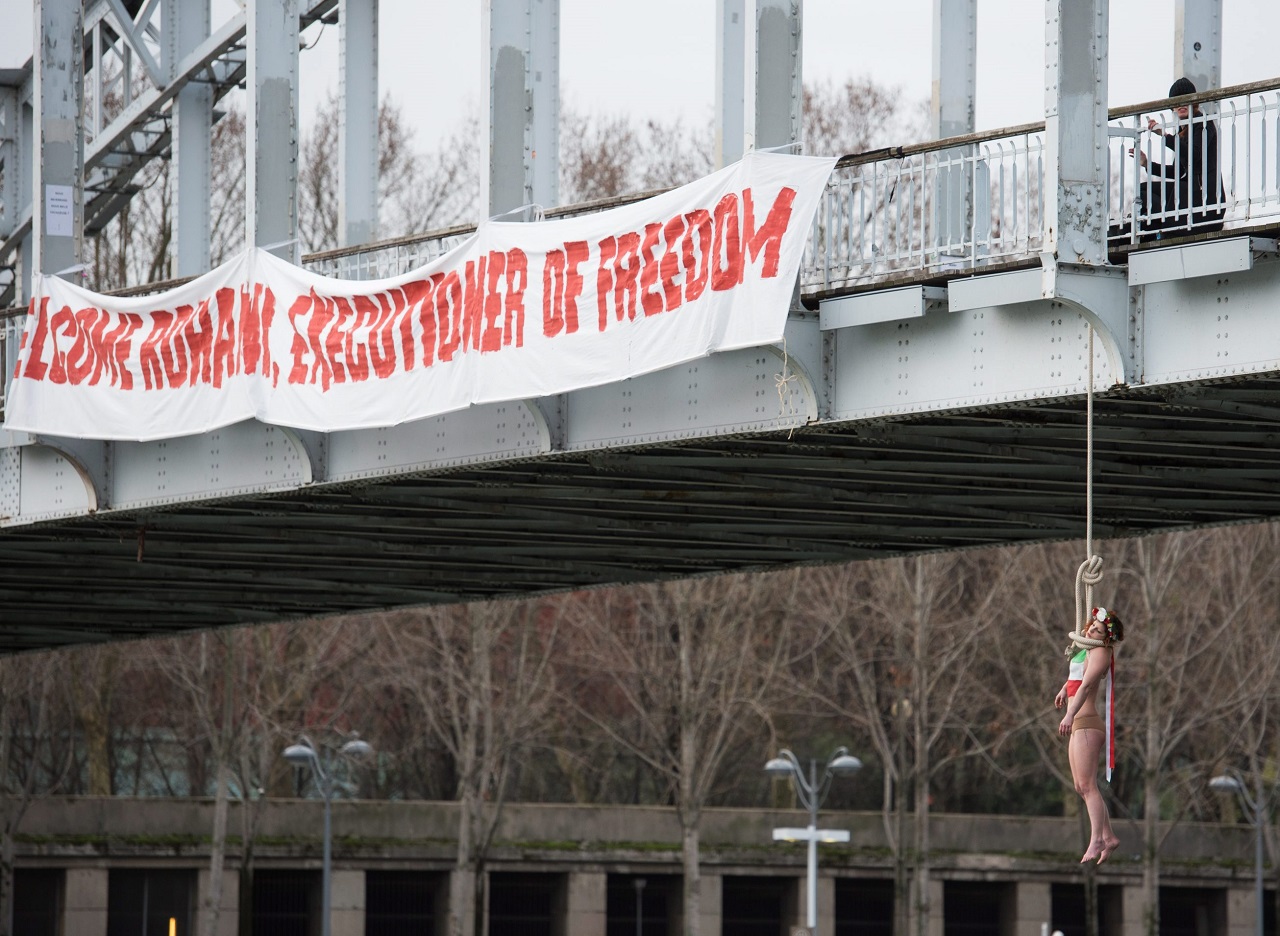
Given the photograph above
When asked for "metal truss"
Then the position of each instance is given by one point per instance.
(129, 96)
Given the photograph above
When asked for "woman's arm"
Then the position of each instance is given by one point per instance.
(1061, 698)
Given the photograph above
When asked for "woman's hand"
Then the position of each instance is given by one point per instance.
(1061, 698)
(1142, 156)
(1064, 727)
(1151, 124)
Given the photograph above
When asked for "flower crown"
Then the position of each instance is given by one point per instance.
(1105, 618)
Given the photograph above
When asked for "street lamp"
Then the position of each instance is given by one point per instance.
(812, 792)
(304, 754)
(1231, 782)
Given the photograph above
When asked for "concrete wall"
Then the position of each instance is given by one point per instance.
(86, 836)
(431, 827)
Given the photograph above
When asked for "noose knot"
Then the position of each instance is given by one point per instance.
(1088, 575)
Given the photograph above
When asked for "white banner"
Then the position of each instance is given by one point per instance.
(517, 311)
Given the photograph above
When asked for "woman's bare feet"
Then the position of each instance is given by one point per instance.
(1094, 850)
(1107, 848)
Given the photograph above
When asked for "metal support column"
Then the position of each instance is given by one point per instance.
(521, 74)
(271, 137)
(1075, 102)
(731, 78)
(9, 172)
(26, 185)
(779, 85)
(955, 67)
(1197, 43)
(951, 112)
(358, 124)
(186, 25)
(57, 200)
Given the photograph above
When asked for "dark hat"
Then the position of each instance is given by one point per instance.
(1180, 87)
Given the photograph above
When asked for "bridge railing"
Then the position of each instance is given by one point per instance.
(10, 336)
(953, 204)
(1245, 121)
(966, 203)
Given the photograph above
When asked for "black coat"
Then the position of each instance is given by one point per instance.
(1191, 179)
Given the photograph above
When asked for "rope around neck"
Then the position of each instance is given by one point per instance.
(1088, 575)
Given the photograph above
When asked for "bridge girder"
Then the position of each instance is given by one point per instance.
(934, 431)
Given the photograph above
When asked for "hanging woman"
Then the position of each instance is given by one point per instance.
(1090, 685)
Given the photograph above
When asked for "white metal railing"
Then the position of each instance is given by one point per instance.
(954, 204)
(1233, 134)
(390, 259)
(966, 203)
(10, 336)
(960, 204)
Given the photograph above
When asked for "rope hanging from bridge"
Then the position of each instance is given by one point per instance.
(1090, 571)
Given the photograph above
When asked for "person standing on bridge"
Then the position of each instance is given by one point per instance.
(1192, 181)
(1091, 678)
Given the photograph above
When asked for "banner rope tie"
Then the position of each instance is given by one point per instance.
(782, 381)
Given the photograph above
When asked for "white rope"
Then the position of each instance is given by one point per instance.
(1088, 575)
(1090, 571)
(782, 383)
(1088, 460)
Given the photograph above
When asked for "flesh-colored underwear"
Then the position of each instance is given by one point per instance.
(1081, 722)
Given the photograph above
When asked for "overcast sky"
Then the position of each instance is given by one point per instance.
(655, 58)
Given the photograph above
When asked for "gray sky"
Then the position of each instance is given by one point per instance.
(624, 56)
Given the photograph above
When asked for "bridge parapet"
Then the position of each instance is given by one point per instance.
(959, 205)
(965, 204)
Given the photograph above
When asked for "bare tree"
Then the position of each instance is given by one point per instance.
(679, 674)
(1246, 563)
(34, 710)
(1032, 667)
(478, 678)
(903, 649)
(206, 676)
(416, 192)
(1183, 623)
(855, 117)
(136, 246)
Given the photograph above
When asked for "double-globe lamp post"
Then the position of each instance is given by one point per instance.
(304, 754)
(812, 792)
(1255, 811)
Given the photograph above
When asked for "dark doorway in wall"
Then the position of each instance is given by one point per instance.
(753, 906)
(659, 904)
(977, 908)
(37, 901)
(400, 903)
(864, 907)
(524, 904)
(1193, 911)
(286, 901)
(1067, 909)
(144, 901)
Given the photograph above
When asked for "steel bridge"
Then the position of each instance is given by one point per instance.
(929, 395)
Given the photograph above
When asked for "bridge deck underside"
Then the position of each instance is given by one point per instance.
(1165, 459)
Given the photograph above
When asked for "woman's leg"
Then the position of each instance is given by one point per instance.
(1084, 751)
